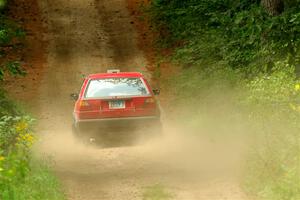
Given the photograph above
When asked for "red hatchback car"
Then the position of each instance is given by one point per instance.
(113, 100)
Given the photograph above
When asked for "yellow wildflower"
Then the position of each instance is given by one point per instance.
(26, 139)
(2, 158)
(29, 138)
(21, 126)
(297, 87)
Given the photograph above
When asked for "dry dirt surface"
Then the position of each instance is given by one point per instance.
(88, 37)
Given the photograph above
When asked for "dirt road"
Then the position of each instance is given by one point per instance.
(88, 37)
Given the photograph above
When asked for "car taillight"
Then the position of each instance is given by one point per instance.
(149, 100)
(83, 105)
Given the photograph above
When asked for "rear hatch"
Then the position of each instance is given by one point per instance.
(115, 98)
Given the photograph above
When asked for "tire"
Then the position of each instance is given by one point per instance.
(79, 135)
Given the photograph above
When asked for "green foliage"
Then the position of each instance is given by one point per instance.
(38, 184)
(7, 106)
(195, 81)
(237, 33)
(10, 131)
(240, 65)
(2, 4)
(13, 67)
(11, 35)
(275, 88)
(9, 31)
(274, 100)
(267, 105)
(16, 140)
(20, 176)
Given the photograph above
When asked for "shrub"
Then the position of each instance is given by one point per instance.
(233, 51)
(16, 140)
(239, 33)
(11, 36)
(274, 100)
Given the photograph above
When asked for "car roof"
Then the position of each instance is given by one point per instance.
(116, 75)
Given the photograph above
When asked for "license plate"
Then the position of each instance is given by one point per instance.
(118, 104)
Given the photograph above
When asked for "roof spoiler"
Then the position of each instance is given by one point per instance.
(113, 71)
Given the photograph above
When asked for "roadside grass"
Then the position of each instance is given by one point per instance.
(22, 177)
(38, 184)
(156, 192)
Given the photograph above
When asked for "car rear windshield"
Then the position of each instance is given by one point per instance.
(111, 87)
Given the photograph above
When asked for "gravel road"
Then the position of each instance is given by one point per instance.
(88, 37)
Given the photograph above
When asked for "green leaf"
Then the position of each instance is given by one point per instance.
(15, 68)
(3, 4)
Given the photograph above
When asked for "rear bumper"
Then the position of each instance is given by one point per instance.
(115, 123)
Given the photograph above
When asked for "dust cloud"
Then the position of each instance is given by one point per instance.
(184, 159)
(193, 162)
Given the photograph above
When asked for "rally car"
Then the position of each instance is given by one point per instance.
(115, 100)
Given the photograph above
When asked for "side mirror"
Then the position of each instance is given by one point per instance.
(156, 91)
(74, 96)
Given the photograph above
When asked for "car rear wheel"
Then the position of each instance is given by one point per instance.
(82, 136)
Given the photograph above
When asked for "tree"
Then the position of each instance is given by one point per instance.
(273, 7)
